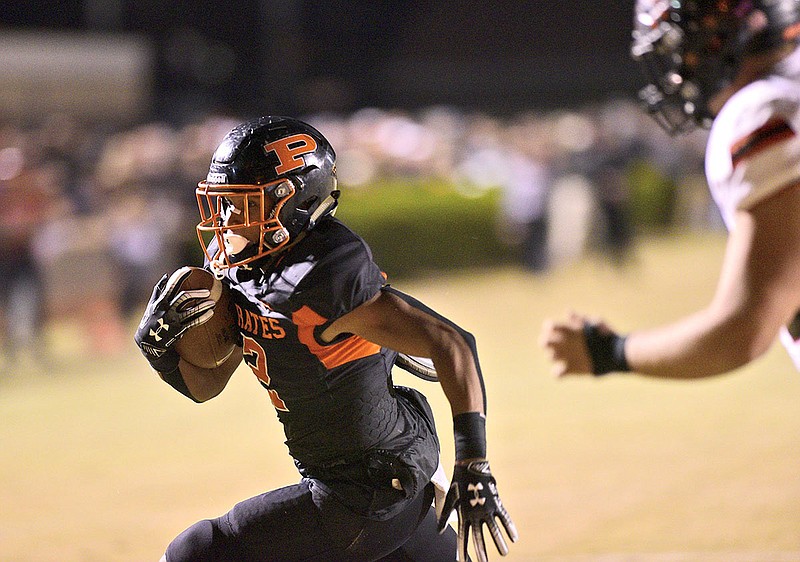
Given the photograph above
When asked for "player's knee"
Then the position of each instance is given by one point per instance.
(199, 543)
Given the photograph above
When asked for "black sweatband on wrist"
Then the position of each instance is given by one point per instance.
(469, 430)
(606, 350)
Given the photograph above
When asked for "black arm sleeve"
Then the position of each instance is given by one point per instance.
(469, 338)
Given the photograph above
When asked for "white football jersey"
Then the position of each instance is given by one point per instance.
(753, 150)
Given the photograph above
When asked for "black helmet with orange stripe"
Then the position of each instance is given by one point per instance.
(692, 49)
(270, 179)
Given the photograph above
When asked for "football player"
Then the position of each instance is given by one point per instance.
(321, 329)
(734, 66)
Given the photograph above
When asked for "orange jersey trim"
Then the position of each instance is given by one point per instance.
(335, 354)
(773, 131)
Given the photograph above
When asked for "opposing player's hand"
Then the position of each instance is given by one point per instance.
(473, 494)
(170, 313)
(565, 343)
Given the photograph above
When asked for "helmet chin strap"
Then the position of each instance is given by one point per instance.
(324, 208)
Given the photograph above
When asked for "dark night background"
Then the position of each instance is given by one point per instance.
(311, 55)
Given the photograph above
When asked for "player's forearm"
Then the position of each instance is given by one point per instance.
(702, 345)
(398, 321)
(458, 374)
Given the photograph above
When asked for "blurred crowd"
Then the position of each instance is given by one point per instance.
(92, 215)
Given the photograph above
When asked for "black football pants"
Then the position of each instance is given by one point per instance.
(286, 525)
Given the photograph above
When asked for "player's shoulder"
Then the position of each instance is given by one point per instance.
(331, 253)
(763, 103)
(756, 117)
(334, 230)
(340, 273)
(331, 236)
(753, 142)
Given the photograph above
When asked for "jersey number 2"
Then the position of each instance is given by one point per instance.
(256, 359)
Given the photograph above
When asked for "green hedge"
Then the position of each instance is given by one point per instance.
(653, 195)
(419, 227)
(416, 227)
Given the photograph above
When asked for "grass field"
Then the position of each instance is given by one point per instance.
(101, 462)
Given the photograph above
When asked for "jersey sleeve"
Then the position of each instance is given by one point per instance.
(768, 159)
(343, 279)
(754, 148)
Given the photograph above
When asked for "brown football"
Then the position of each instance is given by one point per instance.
(211, 343)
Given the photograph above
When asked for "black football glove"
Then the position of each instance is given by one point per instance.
(168, 315)
(473, 494)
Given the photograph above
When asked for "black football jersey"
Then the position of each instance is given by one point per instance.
(335, 400)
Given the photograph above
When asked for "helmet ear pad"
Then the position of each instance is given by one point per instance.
(308, 206)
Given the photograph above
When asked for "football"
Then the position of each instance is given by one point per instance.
(211, 343)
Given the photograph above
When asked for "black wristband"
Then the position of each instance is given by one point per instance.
(606, 350)
(469, 430)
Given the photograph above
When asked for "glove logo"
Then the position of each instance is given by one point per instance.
(476, 492)
(474, 497)
(150, 350)
(161, 326)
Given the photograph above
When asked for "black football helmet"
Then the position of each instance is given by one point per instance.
(279, 174)
(691, 49)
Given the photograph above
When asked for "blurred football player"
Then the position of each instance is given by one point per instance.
(733, 65)
(321, 329)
